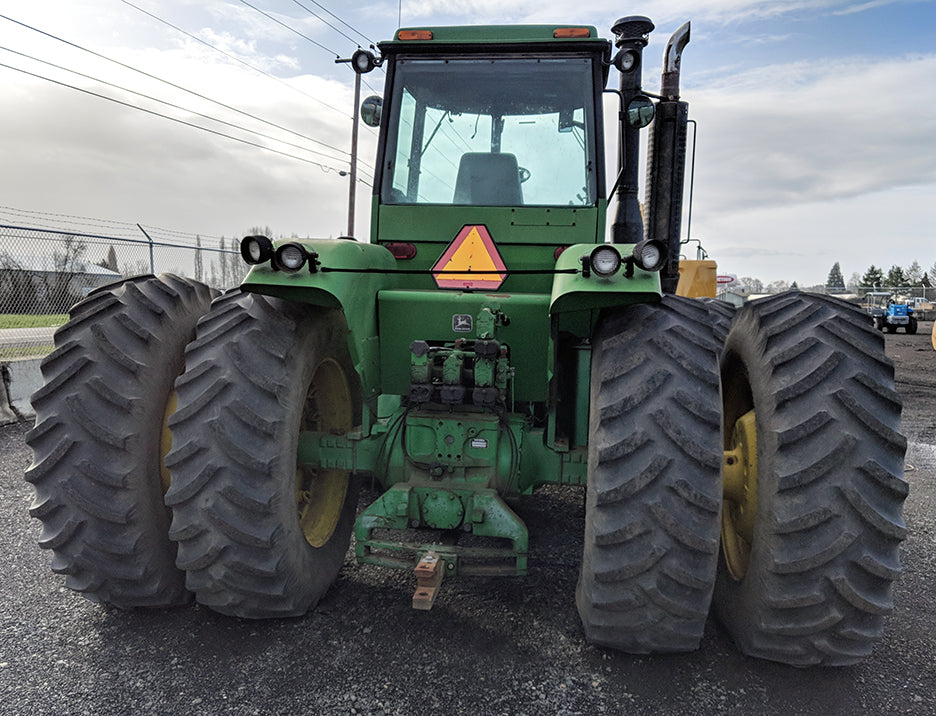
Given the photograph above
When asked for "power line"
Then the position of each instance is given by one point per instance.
(326, 22)
(84, 221)
(184, 109)
(167, 82)
(302, 35)
(291, 29)
(234, 57)
(324, 167)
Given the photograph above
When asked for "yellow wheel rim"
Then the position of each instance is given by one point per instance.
(321, 492)
(739, 509)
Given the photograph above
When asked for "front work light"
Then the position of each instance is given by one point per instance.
(605, 261)
(363, 61)
(649, 254)
(256, 249)
(290, 257)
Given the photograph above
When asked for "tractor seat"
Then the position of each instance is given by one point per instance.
(488, 180)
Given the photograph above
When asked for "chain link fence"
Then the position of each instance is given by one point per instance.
(44, 272)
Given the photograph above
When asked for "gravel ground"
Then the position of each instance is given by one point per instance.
(508, 646)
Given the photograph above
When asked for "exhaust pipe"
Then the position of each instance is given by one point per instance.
(666, 161)
(672, 57)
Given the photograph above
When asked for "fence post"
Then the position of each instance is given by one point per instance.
(150, 239)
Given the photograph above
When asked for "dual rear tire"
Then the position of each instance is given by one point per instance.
(100, 436)
(810, 516)
(258, 536)
(249, 533)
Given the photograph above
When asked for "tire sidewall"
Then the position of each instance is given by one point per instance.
(734, 598)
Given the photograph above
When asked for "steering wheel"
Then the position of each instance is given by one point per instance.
(524, 174)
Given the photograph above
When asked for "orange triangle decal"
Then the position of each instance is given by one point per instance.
(470, 261)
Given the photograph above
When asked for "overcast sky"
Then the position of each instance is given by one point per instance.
(817, 118)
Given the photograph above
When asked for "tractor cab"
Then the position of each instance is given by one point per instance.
(498, 128)
(506, 136)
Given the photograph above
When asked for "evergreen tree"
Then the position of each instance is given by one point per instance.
(873, 277)
(110, 262)
(895, 277)
(914, 274)
(836, 282)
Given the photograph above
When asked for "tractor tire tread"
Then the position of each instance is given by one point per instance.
(654, 491)
(822, 565)
(235, 542)
(99, 415)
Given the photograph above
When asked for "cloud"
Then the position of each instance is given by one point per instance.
(800, 242)
(807, 132)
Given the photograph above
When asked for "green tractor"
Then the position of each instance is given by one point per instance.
(486, 341)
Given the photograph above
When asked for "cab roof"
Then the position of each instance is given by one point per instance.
(504, 37)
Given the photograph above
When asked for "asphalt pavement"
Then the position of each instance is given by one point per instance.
(489, 646)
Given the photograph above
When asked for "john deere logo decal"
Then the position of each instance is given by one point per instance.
(472, 250)
(461, 323)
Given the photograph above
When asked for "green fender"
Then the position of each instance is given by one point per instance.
(355, 293)
(574, 292)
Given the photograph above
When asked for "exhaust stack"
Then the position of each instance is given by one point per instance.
(666, 161)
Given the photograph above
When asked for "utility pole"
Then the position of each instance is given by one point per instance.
(355, 120)
(354, 136)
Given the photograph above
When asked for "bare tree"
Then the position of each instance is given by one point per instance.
(57, 286)
(17, 290)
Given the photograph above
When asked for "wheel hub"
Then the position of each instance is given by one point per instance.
(739, 509)
(321, 492)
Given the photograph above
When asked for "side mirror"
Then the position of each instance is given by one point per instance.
(371, 109)
(640, 112)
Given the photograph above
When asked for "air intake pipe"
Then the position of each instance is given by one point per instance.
(666, 162)
(630, 37)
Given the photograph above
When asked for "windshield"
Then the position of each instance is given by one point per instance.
(491, 132)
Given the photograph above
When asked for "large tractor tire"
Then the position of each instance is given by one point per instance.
(259, 537)
(813, 482)
(100, 437)
(912, 326)
(721, 315)
(654, 479)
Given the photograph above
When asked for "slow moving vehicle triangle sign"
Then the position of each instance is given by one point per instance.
(472, 250)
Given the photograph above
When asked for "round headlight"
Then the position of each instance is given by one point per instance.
(256, 249)
(650, 255)
(605, 261)
(290, 257)
(627, 60)
(363, 61)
